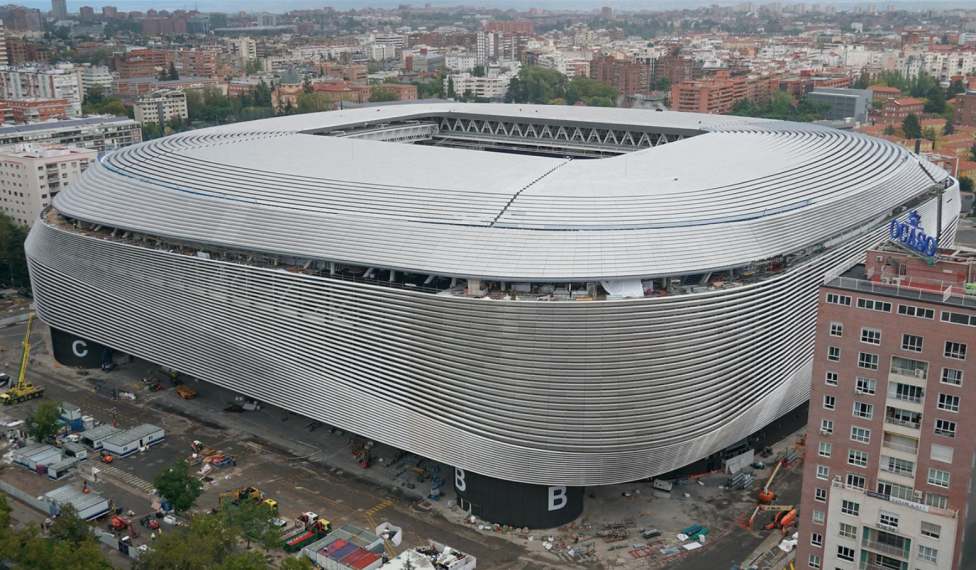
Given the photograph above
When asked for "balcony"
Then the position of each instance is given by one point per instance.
(869, 566)
(917, 373)
(894, 469)
(905, 397)
(884, 548)
(913, 449)
(902, 423)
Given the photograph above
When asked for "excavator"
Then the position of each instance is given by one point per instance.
(766, 496)
(24, 390)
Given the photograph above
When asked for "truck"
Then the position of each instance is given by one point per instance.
(24, 390)
(295, 540)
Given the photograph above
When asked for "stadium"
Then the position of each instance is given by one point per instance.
(543, 297)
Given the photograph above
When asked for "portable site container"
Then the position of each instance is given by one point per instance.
(58, 470)
(75, 450)
(94, 437)
(369, 562)
(37, 454)
(89, 505)
(70, 412)
(129, 441)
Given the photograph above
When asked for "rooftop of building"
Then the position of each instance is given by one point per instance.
(28, 150)
(905, 101)
(64, 123)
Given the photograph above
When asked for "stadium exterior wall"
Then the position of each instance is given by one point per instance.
(555, 393)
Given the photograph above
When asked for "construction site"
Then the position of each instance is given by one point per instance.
(322, 481)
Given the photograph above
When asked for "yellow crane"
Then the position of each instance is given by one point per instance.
(24, 390)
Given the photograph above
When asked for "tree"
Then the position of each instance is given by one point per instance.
(949, 129)
(13, 262)
(930, 134)
(194, 102)
(177, 486)
(955, 88)
(173, 75)
(69, 527)
(313, 103)
(537, 85)
(965, 184)
(113, 107)
(451, 93)
(935, 100)
(203, 544)
(912, 127)
(862, 82)
(585, 90)
(889, 131)
(307, 85)
(94, 95)
(662, 84)
(151, 130)
(601, 102)
(252, 521)
(245, 561)
(478, 71)
(291, 563)
(175, 123)
(972, 152)
(382, 94)
(42, 422)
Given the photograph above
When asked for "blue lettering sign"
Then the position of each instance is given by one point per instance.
(912, 235)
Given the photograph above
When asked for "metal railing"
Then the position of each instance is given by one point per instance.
(869, 566)
(903, 423)
(919, 373)
(947, 296)
(884, 548)
(905, 397)
(900, 447)
(898, 470)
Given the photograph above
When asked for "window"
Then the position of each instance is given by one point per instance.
(819, 517)
(926, 553)
(820, 495)
(873, 305)
(897, 466)
(855, 481)
(939, 478)
(827, 426)
(823, 472)
(850, 508)
(896, 490)
(955, 350)
(937, 501)
(945, 428)
(830, 402)
(865, 386)
(814, 559)
(848, 531)
(890, 520)
(958, 318)
(836, 329)
(845, 553)
(816, 539)
(857, 458)
(941, 453)
(861, 434)
(833, 353)
(862, 410)
(910, 367)
(869, 361)
(835, 299)
(831, 379)
(911, 342)
(948, 403)
(871, 336)
(952, 376)
(824, 449)
(931, 530)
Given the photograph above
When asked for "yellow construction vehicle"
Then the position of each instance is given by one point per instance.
(24, 390)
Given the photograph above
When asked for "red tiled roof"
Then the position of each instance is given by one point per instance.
(884, 89)
(906, 101)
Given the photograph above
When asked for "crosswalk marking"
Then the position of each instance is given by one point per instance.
(378, 508)
(116, 473)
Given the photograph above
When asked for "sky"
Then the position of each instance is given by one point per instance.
(280, 6)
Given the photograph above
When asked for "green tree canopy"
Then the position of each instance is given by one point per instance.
(176, 485)
(94, 94)
(537, 85)
(42, 422)
(292, 563)
(935, 101)
(172, 75)
(253, 521)
(781, 106)
(68, 527)
(382, 94)
(203, 544)
(13, 263)
(912, 127)
(313, 103)
(478, 71)
(585, 89)
(965, 184)
(955, 88)
(26, 548)
(949, 128)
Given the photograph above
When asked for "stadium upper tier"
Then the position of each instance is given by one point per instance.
(723, 192)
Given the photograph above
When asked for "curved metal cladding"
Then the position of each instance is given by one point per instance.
(546, 393)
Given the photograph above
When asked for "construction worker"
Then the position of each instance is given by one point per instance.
(160, 532)
(153, 536)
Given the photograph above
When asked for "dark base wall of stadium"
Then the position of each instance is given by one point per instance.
(74, 351)
(517, 504)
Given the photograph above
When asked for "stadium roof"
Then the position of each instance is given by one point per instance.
(736, 191)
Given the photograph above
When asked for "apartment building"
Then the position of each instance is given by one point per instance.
(520, 27)
(30, 177)
(142, 63)
(197, 63)
(714, 95)
(894, 111)
(97, 133)
(626, 77)
(886, 484)
(97, 75)
(33, 110)
(43, 82)
(484, 87)
(966, 108)
(160, 107)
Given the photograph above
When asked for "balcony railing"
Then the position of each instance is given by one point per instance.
(898, 470)
(920, 373)
(905, 397)
(884, 548)
(869, 566)
(900, 447)
(903, 423)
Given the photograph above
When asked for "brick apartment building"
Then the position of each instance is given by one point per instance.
(805, 83)
(523, 27)
(677, 68)
(197, 63)
(19, 51)
(894, 111)
(33, 110)
(163, 26)
(886, 484)
(879, 93)
(130, 91)
(965, 109)
(714, 95)
(142, 63)
(626, 77)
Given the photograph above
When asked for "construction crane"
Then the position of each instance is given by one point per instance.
(783, 519)
(24, 390)
(766, 496)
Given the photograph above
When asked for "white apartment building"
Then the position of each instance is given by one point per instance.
(456, 62)
(60, 82)
(396, 40)
(377, 51)
(487, 87)
(244, 48)
(30, 176)
(487, 47)
(3, 44)
(97, 75)
(161, 106)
